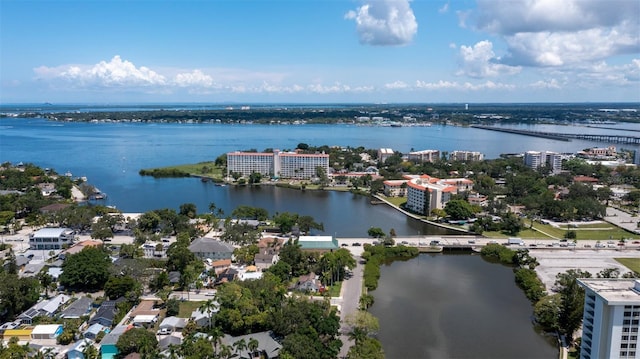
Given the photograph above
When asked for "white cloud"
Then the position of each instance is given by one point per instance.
(396, 85)
(444, 8)
(115, 73)
(479, 61)
(194, 78)
(546, 84)
(561, 33)
(466, 86)
(384, 22)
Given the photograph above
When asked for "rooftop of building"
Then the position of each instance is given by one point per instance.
(50, 232)
(614, 291)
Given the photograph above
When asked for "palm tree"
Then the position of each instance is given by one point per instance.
(173, 351)
(253, 346)
(89, 351)
(240, 346)
(209, 307)
(225, 352)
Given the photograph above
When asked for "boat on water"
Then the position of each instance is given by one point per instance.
(204, 179)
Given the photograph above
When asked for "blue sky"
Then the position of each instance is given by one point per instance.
(313, 51)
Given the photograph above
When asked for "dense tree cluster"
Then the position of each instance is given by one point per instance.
(87, 270)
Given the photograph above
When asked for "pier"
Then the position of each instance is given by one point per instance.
(628, 140)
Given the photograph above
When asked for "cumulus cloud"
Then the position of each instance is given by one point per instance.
(115, 73)
(560, 33)
(384, 22)
(480, 61)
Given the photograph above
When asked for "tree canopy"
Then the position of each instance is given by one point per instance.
(87, 270)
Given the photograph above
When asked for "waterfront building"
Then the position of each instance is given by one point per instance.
(536, 159)
(425, 193)
(424, 156)
(383, 154)
(277, 164)
(395, 188)
(611, 318)
(51, 238)
(318, 243)
(299, 165)
(466, 156)
(246, 163)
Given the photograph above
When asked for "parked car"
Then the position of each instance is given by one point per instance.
(344, 245)
(356, 244)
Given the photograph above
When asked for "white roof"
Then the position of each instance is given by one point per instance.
(144, 318)
(46, 329)
(50, 232)
(315, 238)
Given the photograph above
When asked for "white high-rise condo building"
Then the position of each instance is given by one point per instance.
(611, 318)
(277, 164)
(535, 159)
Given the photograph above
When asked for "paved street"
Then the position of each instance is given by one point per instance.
(349, 301)
(623, 219)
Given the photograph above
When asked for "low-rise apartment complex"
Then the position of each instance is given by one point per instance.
(277, 164)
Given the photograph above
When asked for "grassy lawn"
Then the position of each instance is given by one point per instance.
(187, 307)
(631, 263)
(334, 290)
(525, 234)
(396, 201)
(606, 233)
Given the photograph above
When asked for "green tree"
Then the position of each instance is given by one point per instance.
(547, 312)
(122, 286)
(367, 348)
(512, 224)
(572, 300)
(189, 210)
(87, 270)
(375, 232)
(137, 340)
(458, 209)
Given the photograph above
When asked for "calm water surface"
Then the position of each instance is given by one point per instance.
(447, 306)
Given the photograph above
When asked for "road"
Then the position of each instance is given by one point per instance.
(349, 301)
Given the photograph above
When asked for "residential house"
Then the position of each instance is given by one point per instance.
(228, 275)
(77, 309)
(168, 341)
(202, 318)
(204, 248)
(43, 308)
(172, 324)
(106, 313)
(265, 259)
(51, 239)
(268, 347)
(23, 335)
(77, 349)
(46, 331)
(220, 265)
(108, 348)
(309, 283)
(93, 331)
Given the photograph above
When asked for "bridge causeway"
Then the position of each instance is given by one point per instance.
(629, 140)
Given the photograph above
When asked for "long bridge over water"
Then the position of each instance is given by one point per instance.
(629, 140)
